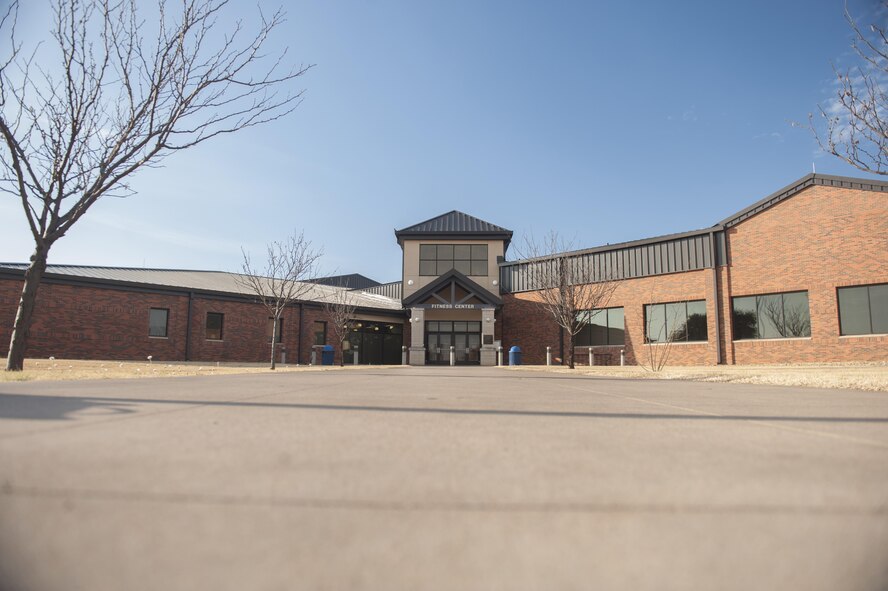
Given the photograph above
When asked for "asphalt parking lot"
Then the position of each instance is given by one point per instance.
(440, 478)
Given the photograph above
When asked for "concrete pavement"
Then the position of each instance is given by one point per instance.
(440, 478)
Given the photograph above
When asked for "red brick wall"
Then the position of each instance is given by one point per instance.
(77, 322)
(820, 239)
(530, 327)
(91, 323)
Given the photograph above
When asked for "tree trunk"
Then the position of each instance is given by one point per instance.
(274, 330)
(33, 275)
(570, 351)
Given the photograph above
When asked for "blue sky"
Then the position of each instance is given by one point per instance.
(604, 121)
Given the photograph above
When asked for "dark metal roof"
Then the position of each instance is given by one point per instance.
(454, 223)
(351, 281)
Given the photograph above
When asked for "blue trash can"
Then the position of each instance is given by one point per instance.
(327, 355)
(515, 355)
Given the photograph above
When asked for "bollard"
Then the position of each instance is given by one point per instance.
(499, 355)
(548, 355)
(591, 357)
(622, 357)
(355, 358)
(452, 355)
(404, 355)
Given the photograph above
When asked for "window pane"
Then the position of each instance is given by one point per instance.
(459, 327)
(479, 268)
(214, 326)
(474, 327)
(427, 252)
(464, 267)
(677, 322)
(598, 327)
(854, 312)
(320, 332)
(616, 332)
(584, 337)
(462, 252)
(157, 322)
(445, 252)
(796, 318)
(479, 252)
(444, 266)
(770, 316)
(878, 307)
(427, 267)
(445, 326)
(655, 319)
(432, 327)
(745, 318)
(697, 329)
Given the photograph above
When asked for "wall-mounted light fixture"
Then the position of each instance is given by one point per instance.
(410, 282)
(495, 282)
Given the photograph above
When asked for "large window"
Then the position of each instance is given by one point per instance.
(603, 327)
(270, 327)
(863, 310)
(774, 316)
(678, 322)
(214, 326)
(157, 322)
(319, 330)
(468, 259)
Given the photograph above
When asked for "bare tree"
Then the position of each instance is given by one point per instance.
(569, 284)
(856, 120)
(283, 279)
(121, 97)
(658, 338)
(340, 309)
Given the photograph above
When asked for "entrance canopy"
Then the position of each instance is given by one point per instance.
(452, 291)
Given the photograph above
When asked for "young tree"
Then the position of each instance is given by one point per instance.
(340, 309)
(855, 122)
(283, 279)
(569, 285)
(121, 96)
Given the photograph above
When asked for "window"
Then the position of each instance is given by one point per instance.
(319, 330)
(678, 322)
(157, 322)
(863, 310)
(603, 327)
(468, 259)
(214, 326)
(280, 329)
(774, 316)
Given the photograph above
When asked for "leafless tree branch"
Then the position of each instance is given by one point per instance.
(123, 95)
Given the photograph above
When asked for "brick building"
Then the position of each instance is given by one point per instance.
(800, 276)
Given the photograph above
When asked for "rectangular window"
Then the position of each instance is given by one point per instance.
(863, 309)
(602, 327)
(319, 329)
(468, 259)
(214, 326)
(678, 322)
(280, 329)
(772, 316)
(158, 319)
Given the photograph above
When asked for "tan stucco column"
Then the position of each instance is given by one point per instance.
(417, 336)
(488, 352)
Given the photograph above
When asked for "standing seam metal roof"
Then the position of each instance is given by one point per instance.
(454, 222)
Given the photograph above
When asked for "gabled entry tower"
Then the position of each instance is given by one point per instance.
(451, 287)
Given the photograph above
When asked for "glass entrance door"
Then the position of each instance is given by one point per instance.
(464, 336)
